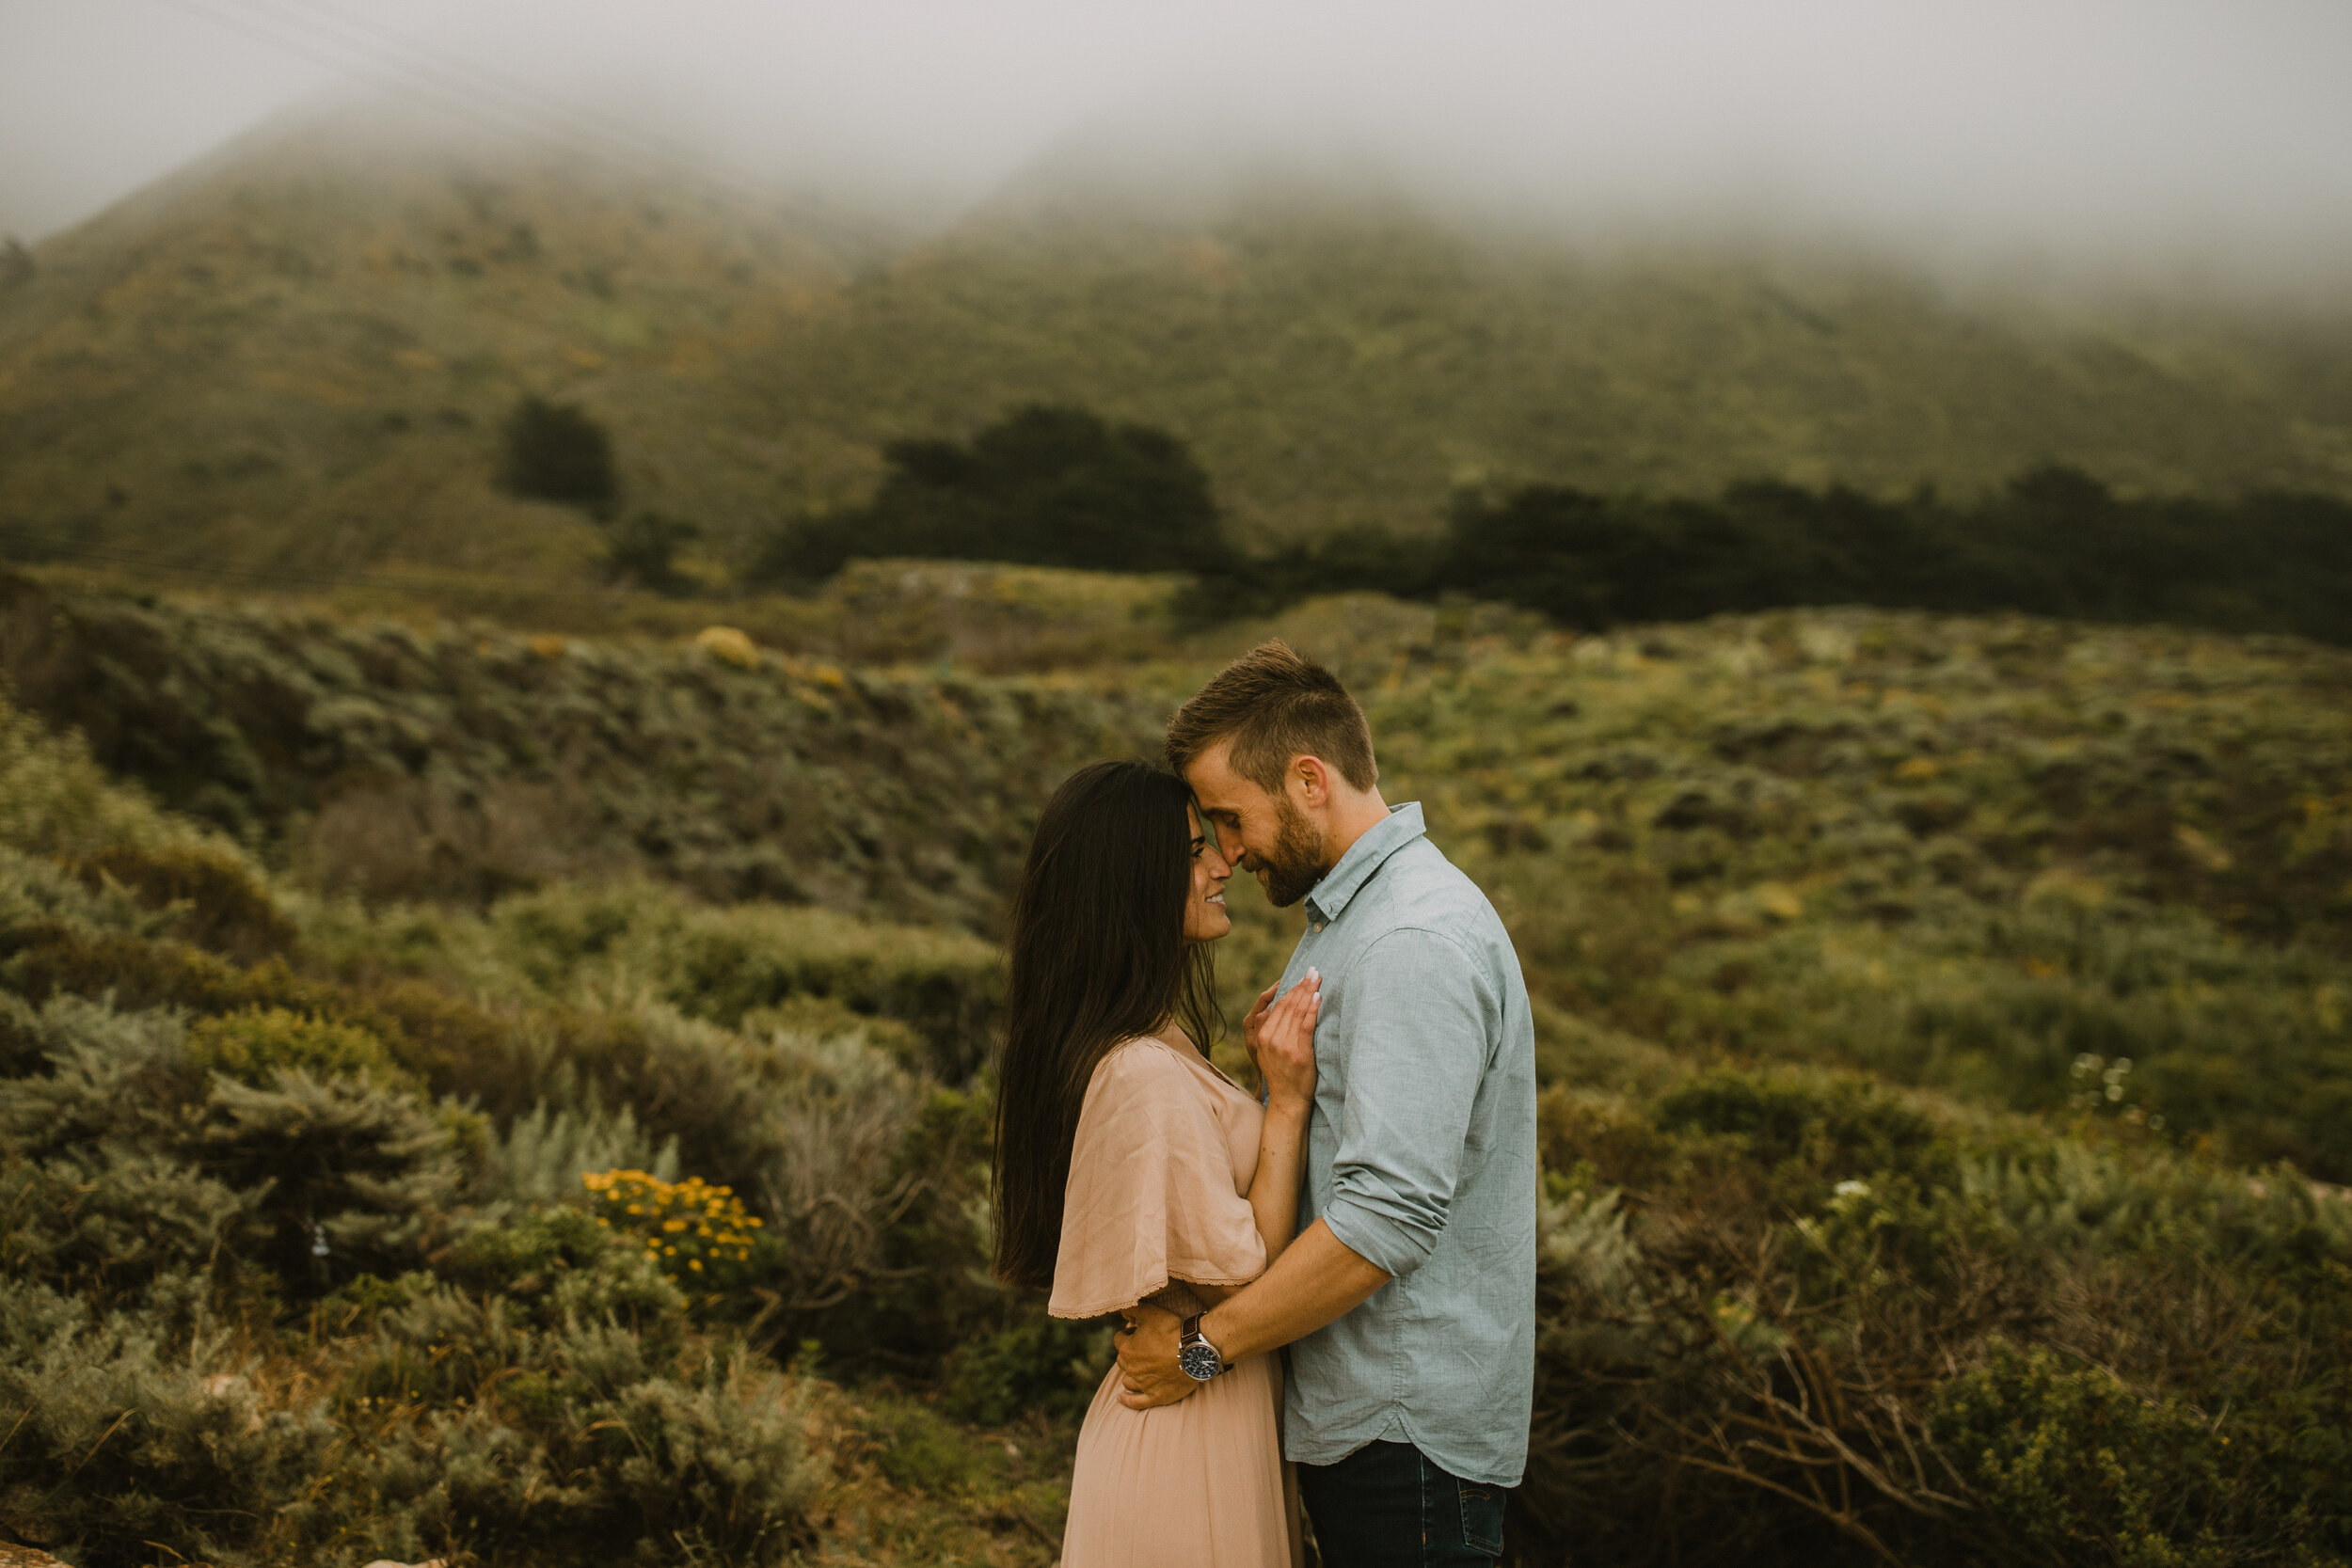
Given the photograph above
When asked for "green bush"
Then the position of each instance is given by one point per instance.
(565, 1267)
(1748, 866)
(555, 452)
(256, 1045)
(542, 1154)
(1036, 1365)
(2077, 1467)
(1814, 1356)
(1802, 1125)
(570, 1444)
(1043, 487)
(221, 904)
(56, 801)
(641, 552)
(336, 1176)
(729, 964)
(116, 1441)
(111, 1222)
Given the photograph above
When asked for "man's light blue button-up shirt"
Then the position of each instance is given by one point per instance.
(1421, 1156)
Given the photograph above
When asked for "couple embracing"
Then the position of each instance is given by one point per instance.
(1373, 1216)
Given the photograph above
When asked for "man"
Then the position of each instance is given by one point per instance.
(1409, 1299)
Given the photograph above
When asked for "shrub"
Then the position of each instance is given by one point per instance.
(899, 795)
(571, 1445)
(531, 1273)
(1037, 1364)
(116, 1441)
(221, 904)
(725, 965)
(333, 1176)
(698, 1235)
(256, 1045)
(641, 552)
(927, 1287)
(1808, 1128)
(1796, 1365)
(111, 1222)
(554, 451)
(55, 959)
(1044, 486)
(2077, 1467)
(542, 1155)
(54, 798)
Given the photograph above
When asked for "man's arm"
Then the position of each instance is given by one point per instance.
(1317, 1278)
(1418, 1047)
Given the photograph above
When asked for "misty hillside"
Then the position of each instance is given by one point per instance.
(296, 354)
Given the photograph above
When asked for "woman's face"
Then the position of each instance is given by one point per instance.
(1205, 919)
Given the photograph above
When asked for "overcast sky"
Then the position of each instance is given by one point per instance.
(2098, 131)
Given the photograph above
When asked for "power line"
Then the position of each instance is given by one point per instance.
(514, 87)
(489, 97)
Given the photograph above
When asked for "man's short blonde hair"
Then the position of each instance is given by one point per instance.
(1276, 705)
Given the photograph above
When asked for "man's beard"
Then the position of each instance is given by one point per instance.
(1295, 865)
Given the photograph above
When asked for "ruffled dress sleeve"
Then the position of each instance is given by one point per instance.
(1152, 1194)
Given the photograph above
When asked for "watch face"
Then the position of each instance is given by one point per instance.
(1200, 1361)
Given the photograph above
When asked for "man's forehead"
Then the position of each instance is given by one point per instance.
(1214, 782)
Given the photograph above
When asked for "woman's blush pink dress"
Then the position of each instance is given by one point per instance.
(1159, 1183)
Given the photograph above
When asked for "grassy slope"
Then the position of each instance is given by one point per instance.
(296, 354)
(455, 761)
(1961, 852)
(1341, 367)
(1763, 835)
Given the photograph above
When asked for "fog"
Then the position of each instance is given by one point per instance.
(2147, 137)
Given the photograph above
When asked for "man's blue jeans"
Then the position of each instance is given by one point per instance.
(1388, 1506)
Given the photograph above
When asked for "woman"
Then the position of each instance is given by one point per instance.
(1131, 1175)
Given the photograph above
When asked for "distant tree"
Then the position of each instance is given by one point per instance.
(1043, 486)
(2055, 542)
(641, 552)
(16, 262)
(555, 452)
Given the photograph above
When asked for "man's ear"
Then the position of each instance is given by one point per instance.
(1314, 781)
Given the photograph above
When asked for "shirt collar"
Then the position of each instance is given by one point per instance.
(1363, 858)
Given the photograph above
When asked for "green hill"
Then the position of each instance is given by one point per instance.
(295, 356)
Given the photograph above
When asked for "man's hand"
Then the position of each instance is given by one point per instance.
(1149, 1373)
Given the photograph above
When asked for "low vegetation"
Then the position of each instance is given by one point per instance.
(1943, 1023)
(309, 1259)
(456, 762)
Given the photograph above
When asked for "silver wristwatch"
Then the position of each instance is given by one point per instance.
(1199, 1358)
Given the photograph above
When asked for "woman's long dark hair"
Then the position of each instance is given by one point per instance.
(1098, 956)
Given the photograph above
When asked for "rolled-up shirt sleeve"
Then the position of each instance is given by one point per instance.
(1417, 1026)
